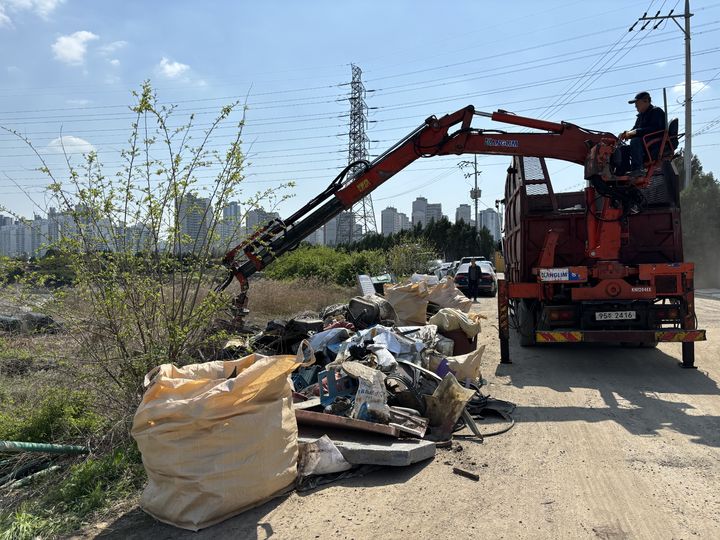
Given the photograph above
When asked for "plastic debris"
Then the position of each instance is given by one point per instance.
(320, 457)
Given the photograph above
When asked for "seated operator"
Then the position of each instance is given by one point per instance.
(649, 120)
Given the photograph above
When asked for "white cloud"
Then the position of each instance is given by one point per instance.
(661, 64)
(171, 70)
(695, 87)
(41, 8)
(4, 19)
(110, 48)
(70, 145)
(78, 102)
(115, 62)
(71, 49)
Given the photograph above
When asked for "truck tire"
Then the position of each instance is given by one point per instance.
(526, 324)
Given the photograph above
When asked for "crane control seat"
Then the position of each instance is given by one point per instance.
(653, 143)
(665, 141)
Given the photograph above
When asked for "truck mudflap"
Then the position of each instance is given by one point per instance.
(619, 336)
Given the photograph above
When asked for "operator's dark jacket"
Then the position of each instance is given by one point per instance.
(474, 273)
(653, 119)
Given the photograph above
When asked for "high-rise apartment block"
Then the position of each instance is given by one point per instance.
(490, 219)
(393, 221)
(462, 213)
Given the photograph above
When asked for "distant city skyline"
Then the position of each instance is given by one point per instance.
(195, 215)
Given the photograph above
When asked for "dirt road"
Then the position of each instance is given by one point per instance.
(609, 443)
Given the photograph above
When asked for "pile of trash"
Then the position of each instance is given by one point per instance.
(379, 381)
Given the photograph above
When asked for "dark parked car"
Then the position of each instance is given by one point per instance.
(478, 260)
(488, 279)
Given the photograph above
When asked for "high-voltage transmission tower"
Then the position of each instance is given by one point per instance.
(358, 149)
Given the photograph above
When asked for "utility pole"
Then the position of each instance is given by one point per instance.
(474, 192)
(688, 78)
(475, 196)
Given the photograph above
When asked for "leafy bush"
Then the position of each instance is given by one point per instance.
(69, 497)
(23, 524)
(61, 416)
(362, 262)
(701, 225)
(90, 484)
(143, 286)
(408, 258)
(307, 262)
(326, 264)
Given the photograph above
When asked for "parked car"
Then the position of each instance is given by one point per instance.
(488, 280)
(477, 258)
(443, 270)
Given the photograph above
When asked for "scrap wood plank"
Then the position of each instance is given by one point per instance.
(330, 420)
(307, 404)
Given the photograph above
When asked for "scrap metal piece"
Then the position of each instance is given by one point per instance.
(445, 406)
(466, 474)
(333, 387)
(18, 446)
(470, 422)
(409, 423)
(311, 403)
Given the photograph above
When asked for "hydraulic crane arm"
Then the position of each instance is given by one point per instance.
(433, 138)
(561, 141)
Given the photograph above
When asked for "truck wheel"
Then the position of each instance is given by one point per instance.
(526, 324)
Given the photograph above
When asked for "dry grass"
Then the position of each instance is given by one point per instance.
(270, 299)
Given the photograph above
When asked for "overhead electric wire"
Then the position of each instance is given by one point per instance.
(389, 129)
(254, 158)
(276, 120)
(495, 91)
(577, 78)
(593, 76)
(255, 94)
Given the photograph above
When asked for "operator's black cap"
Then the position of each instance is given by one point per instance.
(641, 95)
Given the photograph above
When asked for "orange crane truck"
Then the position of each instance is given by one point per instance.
(604, 264)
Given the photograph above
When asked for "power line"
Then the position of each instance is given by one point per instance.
(499, 90)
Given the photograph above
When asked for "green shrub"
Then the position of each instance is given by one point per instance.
(327, 264)
(307, 262)
(361, 262)
(70, 496)
(24, 524)
(62, 416)
(91, 484)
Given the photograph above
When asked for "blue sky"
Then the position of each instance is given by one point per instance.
(67, 69)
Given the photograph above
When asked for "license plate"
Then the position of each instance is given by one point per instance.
(614, 315)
